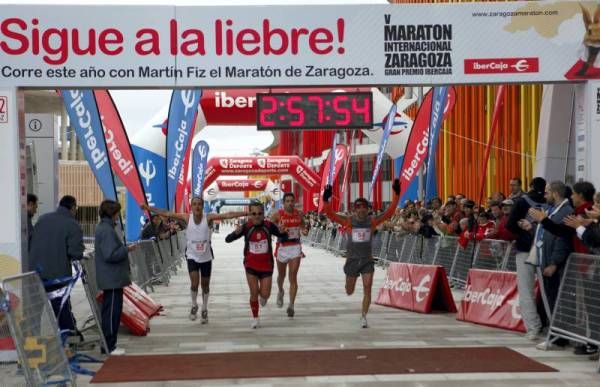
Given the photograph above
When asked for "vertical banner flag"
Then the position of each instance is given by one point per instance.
(339, 156)
(182, 111)
(387, 128)
(183, 192)
(440, 95)
(84, 118)
(332, 165)
(418, 141)
(495, 118)
(199, 160)
(119, 149)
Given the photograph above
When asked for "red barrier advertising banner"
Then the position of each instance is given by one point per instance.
(491, 298)
(241, 185)
(418, 288)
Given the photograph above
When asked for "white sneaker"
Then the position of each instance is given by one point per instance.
(117, 352)
(194, 313)
(205, 317)
(262, 301)
(548, 346)
(363, 322)
(533, 335)
(280, 298)
(255, 323)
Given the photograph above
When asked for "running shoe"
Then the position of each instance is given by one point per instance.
(255, 323)
(363, 322)
(194, 313)
(290, 311)
(280, 298)
(262, 301)
(205, 317)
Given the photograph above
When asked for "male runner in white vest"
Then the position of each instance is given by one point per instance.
(198, 250)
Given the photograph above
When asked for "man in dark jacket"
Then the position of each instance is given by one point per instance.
(519, 224)
(57, 239)
(32, 207)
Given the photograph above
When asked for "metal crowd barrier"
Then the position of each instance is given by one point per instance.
(463, 261)
(35, 331)
(87, 267)
(576, 315)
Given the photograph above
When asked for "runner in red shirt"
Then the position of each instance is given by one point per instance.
(258, 256)
(289, 253)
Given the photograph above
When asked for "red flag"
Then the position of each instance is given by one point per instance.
(340, 157)
(417, 145)
(118, 146)
(495, 117)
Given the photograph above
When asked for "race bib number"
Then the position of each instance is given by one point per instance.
(200, 247)
(259, 247)
(293, 232)
(361, 235)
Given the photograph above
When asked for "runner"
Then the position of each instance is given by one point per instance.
(258, 256)
(198, 250)
(289, 253)
(359, 260)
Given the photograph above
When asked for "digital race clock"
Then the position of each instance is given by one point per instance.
(314, 110)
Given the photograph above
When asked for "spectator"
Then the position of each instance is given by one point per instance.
(495, 210)
(516, 190)
(112, 272)
(427, 229)
(502, 232)
(32, 206)
(522, 228)
(57, 240)
(486, 228)
(498, 196)
(155, 228)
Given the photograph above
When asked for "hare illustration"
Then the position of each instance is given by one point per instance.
(591, 39)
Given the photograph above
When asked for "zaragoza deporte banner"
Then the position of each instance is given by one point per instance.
(305, 45)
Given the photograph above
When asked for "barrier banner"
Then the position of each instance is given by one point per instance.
(119, 148)
(142, 300)
(492, 298)
(418, 288)
(85, 119)
(241, 185)
(199, 161)
(340, 157)
(418, 142)
(180, 125)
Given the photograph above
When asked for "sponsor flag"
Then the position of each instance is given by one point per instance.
(339, 156)
(119, 149)
(440, 96)
(418, 142)
(199, 161)
(332, 165)
(85, 120)
(180, 125)
(387, 128)
(183, 189)
(495, 118)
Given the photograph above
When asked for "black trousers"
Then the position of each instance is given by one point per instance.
(112, 306)
(66, 320)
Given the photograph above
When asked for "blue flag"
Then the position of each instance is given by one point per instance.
(85, 119)
(438, 103)
(199, 161)
(180, 124)
(387, 128)
(332, 160)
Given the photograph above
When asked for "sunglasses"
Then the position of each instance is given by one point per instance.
(256, 213)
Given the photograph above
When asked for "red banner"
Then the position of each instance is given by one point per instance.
(118, 146)
(340, 156)
(418, 288)
(491, 298)
(272, 165)
(418, 141)
(286, 186)
(242, 185)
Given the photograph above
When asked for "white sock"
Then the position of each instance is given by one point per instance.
(204, 301)
(194, 297)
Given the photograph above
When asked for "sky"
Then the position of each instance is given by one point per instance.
(140, 109)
